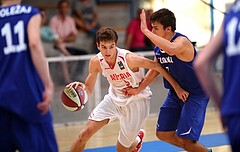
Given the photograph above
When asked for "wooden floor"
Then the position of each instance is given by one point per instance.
(107, 136)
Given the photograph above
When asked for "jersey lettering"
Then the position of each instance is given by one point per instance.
(233, 47)
(7, 33)
(15, 10)
(121, 76)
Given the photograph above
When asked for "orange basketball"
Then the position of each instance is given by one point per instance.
(74, 99)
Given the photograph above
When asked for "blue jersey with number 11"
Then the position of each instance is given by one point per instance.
(231, 73)
(20, 85)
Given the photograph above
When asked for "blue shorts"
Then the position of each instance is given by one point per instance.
(233, 126)
(16, 134)
(186, 119)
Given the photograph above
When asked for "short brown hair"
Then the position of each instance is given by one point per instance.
(106, 34)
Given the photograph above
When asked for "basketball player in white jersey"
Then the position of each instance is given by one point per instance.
(122, 69)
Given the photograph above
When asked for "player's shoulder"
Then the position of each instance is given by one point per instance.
(94, 63)
(122, 51)
(33, 10)
(95, 60)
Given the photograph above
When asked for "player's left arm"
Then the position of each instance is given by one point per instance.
(39, 61)
(179, 46)
(135, 61)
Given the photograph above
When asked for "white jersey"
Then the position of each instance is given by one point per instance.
(120, 76)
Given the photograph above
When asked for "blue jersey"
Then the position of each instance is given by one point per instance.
(182, 72)
(21, 88)
(231, 73)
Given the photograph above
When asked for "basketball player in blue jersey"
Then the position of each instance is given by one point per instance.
(122, 68)
(227, 42)
(179, 123)
(26, 89)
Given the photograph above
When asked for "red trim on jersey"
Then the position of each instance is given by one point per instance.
(122, 58)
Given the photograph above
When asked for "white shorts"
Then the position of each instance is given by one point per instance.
(131, 117)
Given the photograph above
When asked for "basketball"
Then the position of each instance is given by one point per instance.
(74, 99)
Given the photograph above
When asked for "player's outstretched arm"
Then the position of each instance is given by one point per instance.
(94, 69)
(147, 80)
(179, 45)
(141, 62)
(39, 61)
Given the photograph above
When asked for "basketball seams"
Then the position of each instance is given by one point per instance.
(72, 95)
(74, 99)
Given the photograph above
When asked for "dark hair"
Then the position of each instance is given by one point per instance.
(106, 34)
(61, 2)
(164, 17)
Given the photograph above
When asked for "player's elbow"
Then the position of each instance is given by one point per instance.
(156, 67)
(33, 45)
(172, 50)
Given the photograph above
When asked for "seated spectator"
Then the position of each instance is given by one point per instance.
(48, 36)
(86, 19)
(135, 40)
(85, 15)
(63, 25)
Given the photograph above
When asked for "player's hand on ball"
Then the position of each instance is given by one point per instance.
(74, 96)
(76, 84)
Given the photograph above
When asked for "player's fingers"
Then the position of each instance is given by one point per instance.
(124, 91)
(43, 107)
(76, 84)
(183, 98)
(69, 85)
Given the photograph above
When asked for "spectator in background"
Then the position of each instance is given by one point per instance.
(135, 40)
(47, 37)
(64, 26)
(86, 18)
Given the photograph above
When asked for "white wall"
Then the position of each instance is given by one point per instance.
(193, 16)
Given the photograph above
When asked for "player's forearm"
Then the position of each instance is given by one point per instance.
(70, 38)
(162, 43)
(40, 63)
(147, 80)
(168, 77)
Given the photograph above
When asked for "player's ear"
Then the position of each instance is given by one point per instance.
(169, 29)
(98, 45)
